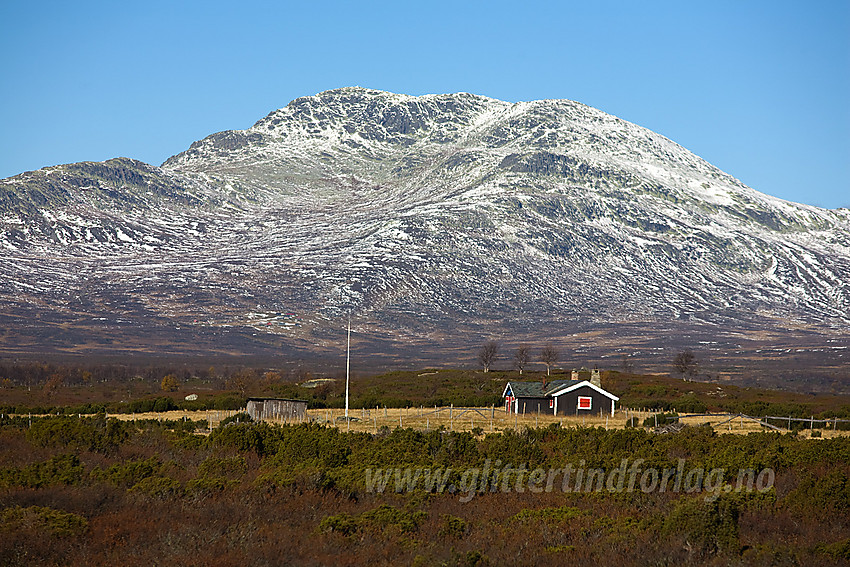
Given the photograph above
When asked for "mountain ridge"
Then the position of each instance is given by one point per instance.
(428, 217)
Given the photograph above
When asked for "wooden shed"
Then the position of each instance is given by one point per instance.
(278, 409)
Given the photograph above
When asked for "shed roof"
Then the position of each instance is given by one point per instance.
(276, 400)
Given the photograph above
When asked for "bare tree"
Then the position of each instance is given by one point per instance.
(626, 364)
(522, 356)
(549, 355)
(686, 363)
(487, 354)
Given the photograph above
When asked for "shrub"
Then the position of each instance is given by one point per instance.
(548, 515)
(205, 486)
(128, 474)
(828, 493)
(346, 524)
(689, 404)
(96, 434)
(43, 519)
(240, 417)
(227, 467)
(660, 419)
(61, 469)
(385, 516)
(382, 517)
(169, 383)
(709, 526)
(260, 438)
(453, 527)
(837, 550)
(163, 488)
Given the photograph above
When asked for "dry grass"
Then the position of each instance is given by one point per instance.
(496, 420)
(212, 417)
(490, 420)
(454, 419)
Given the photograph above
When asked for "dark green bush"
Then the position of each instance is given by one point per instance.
(126, 475)
(710, 527)
(42, 519)
(453, 527)
(240, 417)
(346, 524)
(260, 438)
(227, 467)
(159, 487)
(661, 419)
(97, 434)
(689, 404)
(828, 493)
(64, 469)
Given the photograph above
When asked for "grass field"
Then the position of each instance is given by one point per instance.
(487, 420)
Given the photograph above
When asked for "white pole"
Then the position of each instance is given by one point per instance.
(347, 366)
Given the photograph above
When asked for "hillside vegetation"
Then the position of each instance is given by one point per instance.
(98, 491)
(44, 388)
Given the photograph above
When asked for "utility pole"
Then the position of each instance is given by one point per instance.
(347, 366)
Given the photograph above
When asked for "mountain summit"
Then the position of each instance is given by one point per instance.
(435, 220)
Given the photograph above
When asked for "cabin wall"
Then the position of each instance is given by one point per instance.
(533, 405)
(567, 403)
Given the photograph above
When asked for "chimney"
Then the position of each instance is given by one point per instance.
(574, 375)
(594, 377)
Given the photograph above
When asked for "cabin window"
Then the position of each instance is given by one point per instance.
(585, 402)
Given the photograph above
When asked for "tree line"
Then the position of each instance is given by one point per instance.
(685, 362)
(522, 356)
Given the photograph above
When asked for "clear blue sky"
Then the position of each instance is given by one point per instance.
(759, 88)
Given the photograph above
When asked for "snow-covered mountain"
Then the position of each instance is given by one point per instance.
(429, 218)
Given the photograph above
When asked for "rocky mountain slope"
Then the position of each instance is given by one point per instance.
(435, 220)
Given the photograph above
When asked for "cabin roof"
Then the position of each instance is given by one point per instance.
(553, 388)
(536, 389)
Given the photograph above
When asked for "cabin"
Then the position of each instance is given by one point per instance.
(278, 409)
(559, 397)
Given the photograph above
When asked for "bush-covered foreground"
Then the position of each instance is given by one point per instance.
(97, 491)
